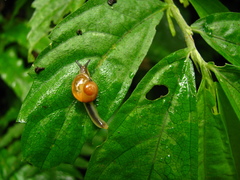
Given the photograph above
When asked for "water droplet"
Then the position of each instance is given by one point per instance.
(13, 84)
(168, 159)
(21, 121)
(25, 74)
(4, 76)
(19, 63)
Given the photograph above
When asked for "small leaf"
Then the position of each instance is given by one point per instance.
(116, 41)
(184, 2)
(229, 79)
(221, 32)
(153, 139)
(170, 23)
(206, 7)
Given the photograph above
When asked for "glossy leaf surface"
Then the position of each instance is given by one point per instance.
(229, 78)
(153, 139)
(221, 32)
(116, 39)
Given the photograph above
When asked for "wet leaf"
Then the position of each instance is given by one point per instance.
(214, 151)
(116, 39)
(229, 79)
(221, 32)
(153, 139)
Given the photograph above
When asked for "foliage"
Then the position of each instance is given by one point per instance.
(187, 128)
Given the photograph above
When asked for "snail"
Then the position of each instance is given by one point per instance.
(85, 90)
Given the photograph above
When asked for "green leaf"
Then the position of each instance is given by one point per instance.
(48, 11)
(116, 42)
(153, 139)
(232, 124)
(221, 32)
(214, 153)
(184, 2)
(229, 79)
(13, 73)
(206, 7)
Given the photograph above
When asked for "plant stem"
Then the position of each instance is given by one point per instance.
(187, 32)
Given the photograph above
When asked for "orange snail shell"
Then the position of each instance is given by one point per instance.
(84, 89)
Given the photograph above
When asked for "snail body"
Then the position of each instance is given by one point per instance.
(85, 90)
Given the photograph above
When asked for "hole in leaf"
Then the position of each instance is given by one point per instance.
(39, 69)
(52, 24)
(111, 2)
(35, 54)
(156, 92)
(79, 32)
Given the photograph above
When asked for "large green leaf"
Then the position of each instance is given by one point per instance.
(221, 32)
(206, 7)
(232, 123)
(229, 78)
(116, 39)
(215, 160)
(153, 139)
